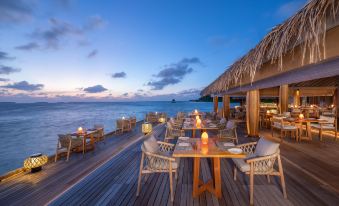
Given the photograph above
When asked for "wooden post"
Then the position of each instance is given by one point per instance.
(226, 106)
(336, 100)
(252, 113)
(216, 102)
(283, 98)
(296, 97)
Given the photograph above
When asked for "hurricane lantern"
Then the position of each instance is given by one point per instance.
(301, 116)
(204, 138)
(35, 162)
(146, 128)
(80, 130)
(162, 120)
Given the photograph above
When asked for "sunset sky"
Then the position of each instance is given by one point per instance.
(72, 50)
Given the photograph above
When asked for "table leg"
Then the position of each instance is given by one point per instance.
(217, 177)
(196, 176)
(309, 132)
(193, 133)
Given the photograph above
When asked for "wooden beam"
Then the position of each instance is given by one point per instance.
(296, 97)
(215, 103)
(283, 98)
(226, 106)
(328, 68)
(252, 113)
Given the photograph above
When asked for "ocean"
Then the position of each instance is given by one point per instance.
(31, 128)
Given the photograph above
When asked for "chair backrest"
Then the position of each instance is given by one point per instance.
(286, 114)
(64, 140)
(120, 123)
(330, 120)
(230, 124)
(277, 121)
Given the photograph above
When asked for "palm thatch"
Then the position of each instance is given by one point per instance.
(307, 29)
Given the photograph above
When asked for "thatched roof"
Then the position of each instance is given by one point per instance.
(306, 28)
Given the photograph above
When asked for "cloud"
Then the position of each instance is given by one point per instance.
(8, 70)
(173, 73)
(4, 80)
(125, 94)
(28, 47)
(190, 92)
(92, 54)
(5, 56)
(24, 86)
(57, 32)
(119, 75)
(16, 11)
(95, 89)
(290, 8)
(94, 22)
(64, 3)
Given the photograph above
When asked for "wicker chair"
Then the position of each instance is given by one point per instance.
(329, 125)
(99, 135)
(259, 165)
(133, 122)
(173, 132)
(67, 144)
(279, 124)
(123, 125)
(229, 133)
(157, 159)
(151, 117)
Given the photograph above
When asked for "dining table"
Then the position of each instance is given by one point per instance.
(203, 127)
(87, 134)
(214, 149)
(307, 122)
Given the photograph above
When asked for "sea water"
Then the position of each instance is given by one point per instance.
(31, 128)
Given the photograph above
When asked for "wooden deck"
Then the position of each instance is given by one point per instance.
(311, 172)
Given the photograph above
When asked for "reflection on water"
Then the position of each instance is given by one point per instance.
(30, 128)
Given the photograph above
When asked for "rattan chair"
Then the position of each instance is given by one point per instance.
(259, 165)
(133, 121)
(229, 133)
(123, 125)
(278, 123)
(329, 125)
(66, 144)
(99, 135)
(152, 117)
(173, 132)
(158, 161)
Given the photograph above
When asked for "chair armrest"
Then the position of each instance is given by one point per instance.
(160, 156)
(259, 159)
(263, 165)
(165, 143)
(165, 147)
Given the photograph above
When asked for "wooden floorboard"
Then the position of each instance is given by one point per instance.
(311, 179)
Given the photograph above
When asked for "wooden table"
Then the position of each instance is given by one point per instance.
(202, 128)
(306, 121)
(211, 150)
(88, 135)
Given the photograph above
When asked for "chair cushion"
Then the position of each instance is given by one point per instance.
(230, 125)
(265, 147)
(324, 126)
(289, 127)
(241, 164)
(222, 121)
(151, 145)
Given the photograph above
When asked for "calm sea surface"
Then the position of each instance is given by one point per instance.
(30, 128)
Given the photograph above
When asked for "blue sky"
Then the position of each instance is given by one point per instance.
(72, 50)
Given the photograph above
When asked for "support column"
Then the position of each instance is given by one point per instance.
(296, 97)
(215, 103)
(226, 106)
(336, 100)
(283, 98)
(252, 113)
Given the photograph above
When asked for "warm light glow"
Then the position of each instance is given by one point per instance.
(80, 130)
(332, 105)
(268, 112)
(146, 128)
(204, 138)
(301, 116)
(156, 113)
(196, 111)
(198, 124)
(35, 161)
(311, 105)
(161, 119)
(197, 117)
(295, 106)
(123, 117)
(204, 148)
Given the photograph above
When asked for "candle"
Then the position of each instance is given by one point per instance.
(204, 148)
(301, 116)
(204, 138)
(198, 124)
(197, 117)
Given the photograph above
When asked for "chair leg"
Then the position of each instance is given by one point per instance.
(56, 156)
(176, 174)
(282, 178)
(235, 173)
(268, 178)
(140, 173)
(321, 134)
(251, 185)
(171, 181)
(335, 135)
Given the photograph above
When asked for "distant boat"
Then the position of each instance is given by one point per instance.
(173, 101)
